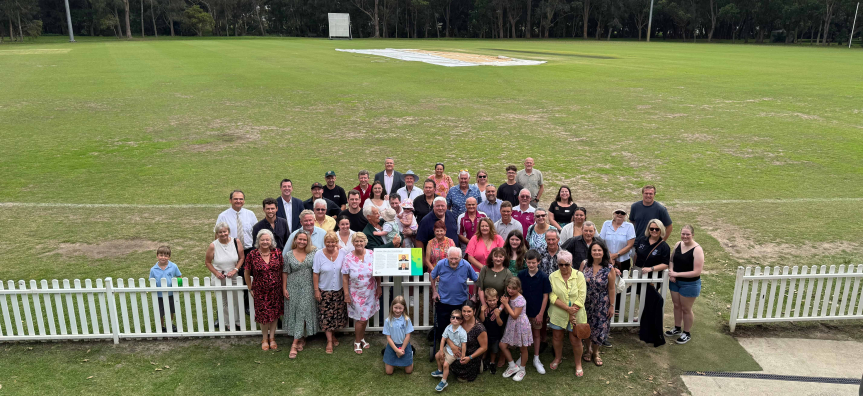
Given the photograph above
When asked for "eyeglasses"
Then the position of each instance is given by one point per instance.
(539, 216)
(455, 317)
(563, 265)
(653, 229)
(320, 210)
(620, 213)
(482, 177)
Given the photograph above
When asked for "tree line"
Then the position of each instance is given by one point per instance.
(789, 21)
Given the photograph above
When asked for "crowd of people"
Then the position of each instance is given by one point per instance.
(310, 263)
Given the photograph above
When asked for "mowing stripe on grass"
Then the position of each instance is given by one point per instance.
(600, 203)
(795, 378)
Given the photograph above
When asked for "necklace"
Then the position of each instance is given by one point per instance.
(331, 258)
(224, 247)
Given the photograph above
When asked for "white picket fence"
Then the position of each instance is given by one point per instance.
(129, 309)
(783, 294)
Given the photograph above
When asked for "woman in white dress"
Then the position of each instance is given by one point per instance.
(224, 259)
(344, 233)
(377, 198)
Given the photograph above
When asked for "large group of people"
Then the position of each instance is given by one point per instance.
(310, 263)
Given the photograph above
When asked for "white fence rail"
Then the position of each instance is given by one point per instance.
(783, 294)
(129, 309)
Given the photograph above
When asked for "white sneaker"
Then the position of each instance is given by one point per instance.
(511, 370)
(520, 374)
(538, 364)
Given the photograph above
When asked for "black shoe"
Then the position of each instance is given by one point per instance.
(216, 324)
(684, 338)
(164, 329)
(673, 332)
(237, 328)
(492, 368)
(174, 328)
(607, 344)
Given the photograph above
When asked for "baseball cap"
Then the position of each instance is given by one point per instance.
(329, 173)
(316, 185)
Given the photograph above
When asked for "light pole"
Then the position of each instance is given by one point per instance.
(649, 20)
(69, 22)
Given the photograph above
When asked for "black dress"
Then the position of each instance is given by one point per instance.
(470, 370)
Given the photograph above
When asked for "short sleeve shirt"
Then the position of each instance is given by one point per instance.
(646, 258)
(398, 328)
(330, 276)
(337, 195)
(509, 193)
(492, 210)
(532, 182)
(456, 198)
(617, 239)
(640, 215)
(171, 271)
(458, 337)
(533, 288)
(525, 217)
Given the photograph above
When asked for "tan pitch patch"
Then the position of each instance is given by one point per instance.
(35, 51)
(465, 57)
(115, 248)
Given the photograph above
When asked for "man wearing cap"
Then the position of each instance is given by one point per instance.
(490, 205)
(334, 192)
(389, 178)
(318, 193)
(425, 232)
(289, 206)
(408, 193)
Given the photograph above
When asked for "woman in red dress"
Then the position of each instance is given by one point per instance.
(266, 263)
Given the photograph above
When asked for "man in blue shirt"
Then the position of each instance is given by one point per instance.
(425, 229)
(458, 195)
(451, 293)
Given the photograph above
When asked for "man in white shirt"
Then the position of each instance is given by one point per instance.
(490, 205)
(236, 216)
(389, 178)
(289, 206)
(506, 222)
(409, 192)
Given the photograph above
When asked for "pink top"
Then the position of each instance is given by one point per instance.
(477, 249)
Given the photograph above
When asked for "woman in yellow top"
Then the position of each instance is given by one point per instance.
(568, 291)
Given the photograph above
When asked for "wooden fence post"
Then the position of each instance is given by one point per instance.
(735, 300)
(112, 309)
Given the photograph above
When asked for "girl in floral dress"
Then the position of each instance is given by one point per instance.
(518, 330)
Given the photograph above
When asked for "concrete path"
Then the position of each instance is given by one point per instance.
(789, 356)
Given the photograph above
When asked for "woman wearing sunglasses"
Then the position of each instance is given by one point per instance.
(651, 254)
(568, 291)
(481, 183)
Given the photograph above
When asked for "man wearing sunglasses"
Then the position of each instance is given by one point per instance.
(332, 208)
(648, 209)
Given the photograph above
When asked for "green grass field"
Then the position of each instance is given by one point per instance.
(759, 147)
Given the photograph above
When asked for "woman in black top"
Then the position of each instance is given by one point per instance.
(561, 210)
(685, 278)
(650, 252)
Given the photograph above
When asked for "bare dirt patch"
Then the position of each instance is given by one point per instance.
(465, 57)
(116, 248)
(739, 244)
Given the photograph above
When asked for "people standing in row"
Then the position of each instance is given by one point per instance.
(531, 179)
(389, 178)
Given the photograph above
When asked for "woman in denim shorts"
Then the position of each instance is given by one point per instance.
(684, 273)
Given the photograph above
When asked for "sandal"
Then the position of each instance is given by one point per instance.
(273, 344)
(597, 361)
(554, 365)
(265, 346)
(300, 345)
(579, 373)
(366, 345)
(358, 349)
(329, 349)
(586, 357)
(293, 354)
(335, 342)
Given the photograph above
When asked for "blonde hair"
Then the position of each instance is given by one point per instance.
(514, 283)
(331, 236)
(398, 300)
(359, 235)
(490, 293)
(658, 224)
(309, 246)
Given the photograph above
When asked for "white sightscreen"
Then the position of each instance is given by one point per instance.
(340, 25)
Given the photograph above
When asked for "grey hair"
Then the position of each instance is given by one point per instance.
(588, 223)
(554, 230)
(221, 225)
(367, 210)
(453, 249)
(264, 232)
(464, 173)
(307, 212)
(439, 199)
(523, 190)
(320, 201)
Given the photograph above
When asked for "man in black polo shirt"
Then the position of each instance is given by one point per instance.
(333, 192)
(317, 193)
(508, 191)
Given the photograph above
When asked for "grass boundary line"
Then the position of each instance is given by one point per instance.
(601, 203)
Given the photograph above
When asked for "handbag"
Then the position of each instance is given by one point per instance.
(582, 331)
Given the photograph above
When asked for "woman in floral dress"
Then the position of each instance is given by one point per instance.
(599, 276)
(362, 291)
(301, 309)
(437, 248)
(266, 263)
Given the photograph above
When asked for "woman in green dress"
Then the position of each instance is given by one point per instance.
(301, 310)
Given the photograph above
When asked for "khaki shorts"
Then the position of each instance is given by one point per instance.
(449, 359)
(534, 325)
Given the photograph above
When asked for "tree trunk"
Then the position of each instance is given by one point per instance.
(446, 17)
(153, 16)
(171, 22)
(820, 26)
(260, 20)
(586, 17)
(142, 19)
(376, 20)
(500, 22)
(828, 17)
(128, 23)
(20, 29)
(527, 21)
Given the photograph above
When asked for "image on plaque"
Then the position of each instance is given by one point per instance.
(404, 262)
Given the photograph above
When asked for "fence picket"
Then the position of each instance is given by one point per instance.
(428, 300)
(198, 308)
(16, 311)
(208, 296)
(845, 295)
(818, 290)
(790, 299)
(37, 308)
(744, 290)
(809, 286)
(834, 305)
(91, 302)
(58, 302)
(25, 302)
(133, 299)
(780, 296)
(124, 310)
(232, 321)
(190, 325)
(81, 311)
(854, 295)
(801, 286)
(112, 308)
(753, 298)
(178, 308)
(49, 310)
(220, 310)
(762, 295)
(238, 294)
(825, 304)
(621, 316)
(154, 299)
(166, 305)
(7, 321)
(103, 308)
(145, 307)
